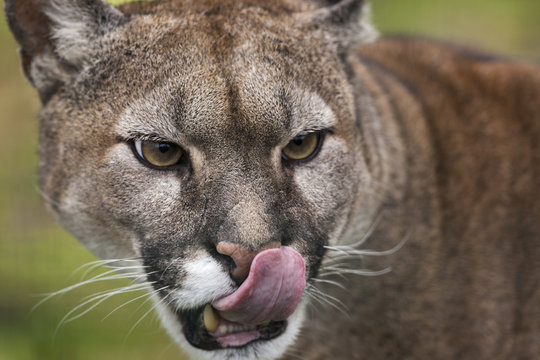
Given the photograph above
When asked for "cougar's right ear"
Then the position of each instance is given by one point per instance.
(58, 37)
(346, 21)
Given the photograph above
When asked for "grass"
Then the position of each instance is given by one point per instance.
(506, 26)
(37, 256)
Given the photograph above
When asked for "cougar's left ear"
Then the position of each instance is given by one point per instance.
(348, 20)
(58, 37)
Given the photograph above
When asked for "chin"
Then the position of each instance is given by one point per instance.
(239, 342)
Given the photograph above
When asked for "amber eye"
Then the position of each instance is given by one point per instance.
(302, 147)
(159, 154)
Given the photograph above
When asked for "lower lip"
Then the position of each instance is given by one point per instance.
(197, 335)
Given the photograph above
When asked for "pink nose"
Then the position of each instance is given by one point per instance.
(242, 257)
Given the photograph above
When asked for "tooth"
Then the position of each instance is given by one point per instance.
(211, 320)
(222, 330)
(266, 323)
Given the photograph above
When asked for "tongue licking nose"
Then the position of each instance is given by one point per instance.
(272, 289)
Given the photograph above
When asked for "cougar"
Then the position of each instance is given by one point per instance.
(248, 162)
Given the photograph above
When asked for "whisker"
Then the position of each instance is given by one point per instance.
(363, 272)
(364, 238)
(134, 280)
(328, 299)
(98, 300)
(150, 293)
(47, 198)
(97, 264)
(105, 276)
(336, 263)
(146, 294)
(335, 283)
(349, 250)
(149, 311)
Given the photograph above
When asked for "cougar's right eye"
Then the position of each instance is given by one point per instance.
(158, 154)
(302, 147)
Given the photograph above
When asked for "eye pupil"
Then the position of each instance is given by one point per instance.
(164, 147)
(298, 140)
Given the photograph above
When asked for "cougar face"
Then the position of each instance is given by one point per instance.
(214, 143)
(234, 156)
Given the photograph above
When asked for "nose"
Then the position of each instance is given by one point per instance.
(242, 257)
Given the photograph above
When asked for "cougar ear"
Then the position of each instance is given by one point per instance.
(348, 20)
(58, 37)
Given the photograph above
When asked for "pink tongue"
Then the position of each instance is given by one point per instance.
(271, 291)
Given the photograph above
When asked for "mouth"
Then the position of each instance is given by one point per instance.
(206, 329)
(257, 310)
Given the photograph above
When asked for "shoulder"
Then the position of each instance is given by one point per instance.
(419, 60)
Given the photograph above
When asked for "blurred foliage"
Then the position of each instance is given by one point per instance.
(36, 256)
(506, 26)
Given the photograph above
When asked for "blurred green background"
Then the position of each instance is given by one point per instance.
(36, 256)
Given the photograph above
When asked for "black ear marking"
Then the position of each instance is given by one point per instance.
(340, 12)
(346, 20)
(57, 35)
(31, 28)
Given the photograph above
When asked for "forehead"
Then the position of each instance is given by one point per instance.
(232, 74)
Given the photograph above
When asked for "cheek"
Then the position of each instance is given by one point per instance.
(135, 186)
(156, 203)
(327, 182)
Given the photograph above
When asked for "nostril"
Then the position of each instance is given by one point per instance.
(241, 256)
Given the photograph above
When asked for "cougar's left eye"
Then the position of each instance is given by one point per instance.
(302, 147)
(158, 154)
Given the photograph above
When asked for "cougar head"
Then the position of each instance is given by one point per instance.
(214, 144)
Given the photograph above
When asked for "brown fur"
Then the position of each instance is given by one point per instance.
(431, 149)
(465, 286)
